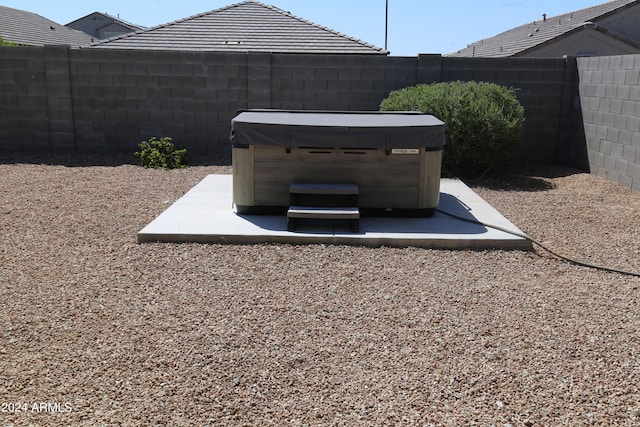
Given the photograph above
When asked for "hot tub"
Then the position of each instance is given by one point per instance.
(393, 157)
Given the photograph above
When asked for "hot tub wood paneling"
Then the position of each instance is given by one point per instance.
(398, 181)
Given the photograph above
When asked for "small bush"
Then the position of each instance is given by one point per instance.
(3, 42)
(161, 153)
(483, 120)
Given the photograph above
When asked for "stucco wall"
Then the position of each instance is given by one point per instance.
(610, 97)
(625, 23)
(585, 42)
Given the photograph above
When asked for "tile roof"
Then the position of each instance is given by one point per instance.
(525, 37)
(28, 28)
(242, 27)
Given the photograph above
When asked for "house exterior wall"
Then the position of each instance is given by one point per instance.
(625, 23)
(113, 29)
(587, 42)
(102, 100)
(610, 95)
(98, 26)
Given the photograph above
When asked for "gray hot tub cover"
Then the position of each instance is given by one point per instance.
(326, 129)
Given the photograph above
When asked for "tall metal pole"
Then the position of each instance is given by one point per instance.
(386, 25)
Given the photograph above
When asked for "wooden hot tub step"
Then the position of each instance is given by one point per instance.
(323, 195)
(351, 214)
(323, 201)
(329, 189)
(323, 213)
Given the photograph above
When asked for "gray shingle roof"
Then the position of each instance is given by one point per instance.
(525, 37)
(242, 27)
(28, 28)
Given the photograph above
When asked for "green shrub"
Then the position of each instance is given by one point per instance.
(483, 121)
(3, 42)
(161, 153)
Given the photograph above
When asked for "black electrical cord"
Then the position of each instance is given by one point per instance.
(524, 236)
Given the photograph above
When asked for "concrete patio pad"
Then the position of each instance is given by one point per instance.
(205, 215)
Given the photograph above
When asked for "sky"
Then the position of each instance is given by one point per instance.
(414, 26)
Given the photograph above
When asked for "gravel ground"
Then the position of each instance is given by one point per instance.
(98, 330)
